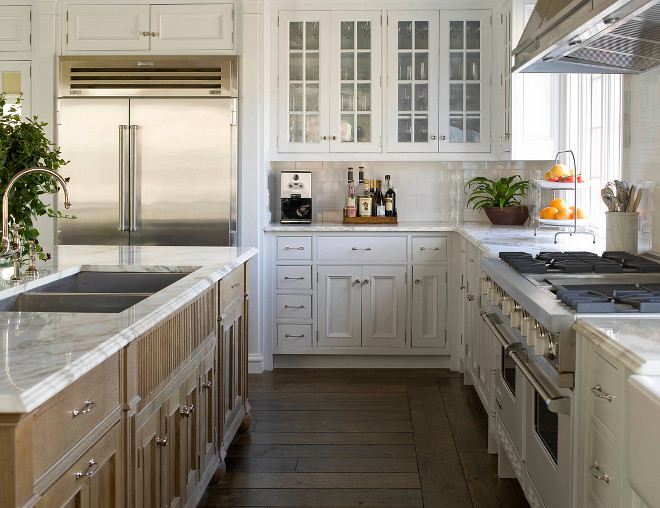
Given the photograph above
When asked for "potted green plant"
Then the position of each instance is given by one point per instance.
(499, 199)
(23, 144)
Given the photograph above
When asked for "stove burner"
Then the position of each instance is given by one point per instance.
(581, 300)
(579, 262)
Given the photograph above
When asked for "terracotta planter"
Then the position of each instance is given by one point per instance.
(507, 216)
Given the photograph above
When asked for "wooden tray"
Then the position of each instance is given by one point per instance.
(370, 220)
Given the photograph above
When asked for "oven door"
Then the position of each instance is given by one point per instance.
(547, 434)
(509, 383)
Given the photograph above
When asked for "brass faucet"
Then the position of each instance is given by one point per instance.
(12, 246)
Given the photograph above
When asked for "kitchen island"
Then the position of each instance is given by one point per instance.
(138, 404)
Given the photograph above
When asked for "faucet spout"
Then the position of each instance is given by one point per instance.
(5, 247)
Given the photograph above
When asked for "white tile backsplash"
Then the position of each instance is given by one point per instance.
(425, 190)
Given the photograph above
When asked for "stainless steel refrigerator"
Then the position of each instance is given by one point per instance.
(151, 167)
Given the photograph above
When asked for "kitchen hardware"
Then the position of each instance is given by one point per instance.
(89, 405)
(91, 469)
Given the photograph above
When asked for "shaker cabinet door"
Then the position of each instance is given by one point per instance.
(339, 303)
(429, 306)
(192, 27)
(384, 306)
(15, 28)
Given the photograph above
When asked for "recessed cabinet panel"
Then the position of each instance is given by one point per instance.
(429, 304)
(108, 27)
(190, 27)
(383, 306)
(339, 300)
(412, 39)
(15, 28)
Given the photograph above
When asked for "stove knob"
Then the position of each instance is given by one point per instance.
(507, 305)
(490, 294)
(541, 347)
(516, 317)
(484, 284)
(533, 334)
(497, 298)
(526, 326)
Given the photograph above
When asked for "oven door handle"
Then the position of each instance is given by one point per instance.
(509, 346)
(556, 403)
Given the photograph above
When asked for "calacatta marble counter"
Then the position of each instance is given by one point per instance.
(489, 238)
(635, 342)
(42, 353)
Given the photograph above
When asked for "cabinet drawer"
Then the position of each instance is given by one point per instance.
(605, 385)
(232, 285)
(607, 493)
(67, 417)
(426, 248)
(362, 249)
(294, 335)
(473, 259)
(294, 306)
(294, 247)
(294, 277)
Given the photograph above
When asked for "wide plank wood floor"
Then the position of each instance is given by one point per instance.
(355, 437)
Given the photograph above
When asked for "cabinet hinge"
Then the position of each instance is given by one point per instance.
(405, 277)
(232, 14)
(232, 37)
(491, 20)
(490, 80)
(278, 81)
(501, 80)
(445, 336)
(461, 339)
(30, 39)
(199, 462)
(446, 277)
(381, 141)
(388, 19)
(381, 81)
(317, 336)
(67, 15)
(278, 21)
(138, 458)
(278, 141)
(215, 436)
(501, 19)
(381, 20)
(67, 37)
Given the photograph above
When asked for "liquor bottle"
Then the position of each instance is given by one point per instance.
(359, 190)
(390, 198)
(380, 200)
(365, 201)
(350, 210)
(372, 193)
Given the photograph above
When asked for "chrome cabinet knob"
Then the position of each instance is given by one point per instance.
(208, 385)
(365, 281)
(357, 282)
(470, 298)
(162, 441)
(187, 410)
(433, 138)
(417, 281)
(442, 138)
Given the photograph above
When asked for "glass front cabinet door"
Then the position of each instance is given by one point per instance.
(465, 73)
(15, 85)
(330, 82)
(412, 106)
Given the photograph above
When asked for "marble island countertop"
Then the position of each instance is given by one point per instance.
(43, 352)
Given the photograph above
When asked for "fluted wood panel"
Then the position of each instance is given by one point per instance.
(167, 346)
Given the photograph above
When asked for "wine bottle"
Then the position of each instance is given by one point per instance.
(365, 201)
(380, 200)
(372, 193)
(350, 210)
(390, 198)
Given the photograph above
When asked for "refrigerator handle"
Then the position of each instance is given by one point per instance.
(123, 177)
(133, 217)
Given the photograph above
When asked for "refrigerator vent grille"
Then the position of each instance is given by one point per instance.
(90, 78)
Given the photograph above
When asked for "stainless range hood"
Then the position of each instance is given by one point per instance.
(590, 37)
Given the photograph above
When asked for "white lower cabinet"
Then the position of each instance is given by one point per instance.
(429, 301)
(362, 306)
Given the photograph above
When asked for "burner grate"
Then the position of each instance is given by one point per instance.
(579, 262)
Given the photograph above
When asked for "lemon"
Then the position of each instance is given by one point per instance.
(559, 170)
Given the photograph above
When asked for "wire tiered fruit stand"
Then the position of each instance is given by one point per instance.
(570, 224)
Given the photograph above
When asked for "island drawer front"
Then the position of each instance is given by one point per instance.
(294, 335)
(605, 385)
(56, 429)
(294, 247)
(473, 261)
(294, 277)
(362, 248)
(429, 248)
(601, 455)
(294, 306)
(232, 286)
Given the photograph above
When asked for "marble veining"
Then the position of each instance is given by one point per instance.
(635, 342)
(42, 352)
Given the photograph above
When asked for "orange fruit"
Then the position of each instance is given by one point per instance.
(572, 208)
(559, 170)
(558, 203)
(549, 213)
(564, 214)
(580, 214)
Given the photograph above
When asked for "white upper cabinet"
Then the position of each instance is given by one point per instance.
(465, 73)
(412, 39)
(529, 125)
(329, 82)
(15, 28)
(149, 28)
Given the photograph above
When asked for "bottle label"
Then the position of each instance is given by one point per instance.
(365, 207)
(351, 211)
(388, 204)
(380, 211)
(350, 202)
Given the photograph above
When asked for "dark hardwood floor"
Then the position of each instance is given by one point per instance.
(349, 437)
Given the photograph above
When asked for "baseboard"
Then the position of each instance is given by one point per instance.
(255, 364)
(353, 362)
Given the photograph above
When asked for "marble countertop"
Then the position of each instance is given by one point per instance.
(42, 353)
(635, 342)
(491, 239)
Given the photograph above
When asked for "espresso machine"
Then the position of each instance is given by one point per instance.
(296, 194)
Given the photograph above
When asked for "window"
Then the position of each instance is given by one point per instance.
(593, 113)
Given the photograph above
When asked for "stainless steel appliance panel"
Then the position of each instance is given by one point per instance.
(91, 134)
(181, 171)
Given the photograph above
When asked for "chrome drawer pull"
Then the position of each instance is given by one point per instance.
(361, 248)
(207, 386)
(293, 278)
(289, 336)
(187, 410)
(294, 306)
(235, 284)
(595, 472)
(294, 248)
(426, 248)
(162, 440)
(596, 390)
(89, 405)
(91, 469)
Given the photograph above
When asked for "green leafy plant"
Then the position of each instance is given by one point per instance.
(503, 193)
(23, 144)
